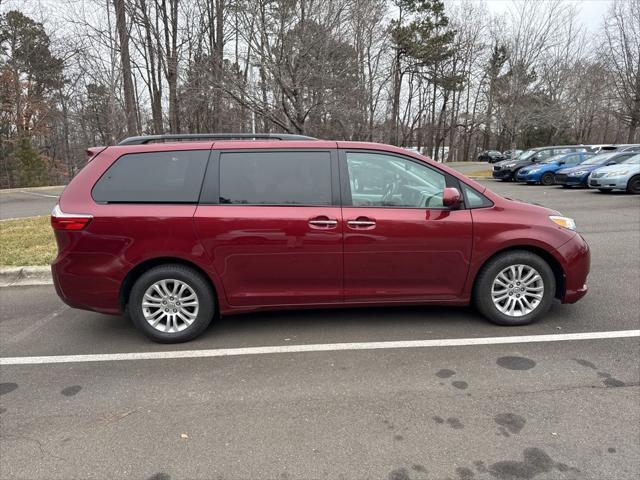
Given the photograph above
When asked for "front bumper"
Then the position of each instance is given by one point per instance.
(619, 183)
(528, 177)
(575, 257)
(502, 173)
(564, 179)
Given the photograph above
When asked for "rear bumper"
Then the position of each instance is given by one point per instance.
(575, 257)
(80, 284)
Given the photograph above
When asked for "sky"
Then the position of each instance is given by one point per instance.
(591, 11)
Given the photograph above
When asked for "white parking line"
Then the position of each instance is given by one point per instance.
(328, 347)
(39, 194)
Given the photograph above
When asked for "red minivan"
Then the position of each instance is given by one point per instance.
(176, 229)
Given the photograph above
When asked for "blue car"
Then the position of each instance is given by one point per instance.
(577, 176)
(544, 172)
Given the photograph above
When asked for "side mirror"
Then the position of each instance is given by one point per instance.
(611, 163)
(451, 198)
(561, 162)
(535, 159)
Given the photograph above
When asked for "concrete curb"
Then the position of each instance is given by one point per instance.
(21, 276)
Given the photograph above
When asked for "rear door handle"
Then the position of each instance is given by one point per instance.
(361, 223)
(323, 222)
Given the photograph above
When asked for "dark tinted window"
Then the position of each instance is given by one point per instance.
(275, 178)
(158, 177)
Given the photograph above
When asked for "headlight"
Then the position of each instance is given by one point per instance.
(535, 170)
(509, 165)
(579, 172)
(564, 222)
(617, 173)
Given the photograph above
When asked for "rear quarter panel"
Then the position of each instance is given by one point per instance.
(95, 261)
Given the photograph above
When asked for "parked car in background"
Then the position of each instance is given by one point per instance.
(623, 176)
(544, 172)
(577, 176)
(630, 148)
(619, 147)
(507, 170)
(511, 154)
(175, 232)
(603, 148)
(491, 156)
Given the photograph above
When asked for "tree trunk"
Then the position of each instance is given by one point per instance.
(395, 102)
(125, 61)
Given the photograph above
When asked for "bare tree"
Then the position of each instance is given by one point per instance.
(622, 50)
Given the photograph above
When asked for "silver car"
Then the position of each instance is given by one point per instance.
(623, 176)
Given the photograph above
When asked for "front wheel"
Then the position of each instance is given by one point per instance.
(171, 303)
(514, 288)
(547, 179)
(633, 186)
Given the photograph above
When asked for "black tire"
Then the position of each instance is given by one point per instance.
(633, 185)
(605, 190)
(547, 179)
(194, 280)
(484, 281)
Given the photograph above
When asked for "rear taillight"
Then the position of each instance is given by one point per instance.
(68, 221)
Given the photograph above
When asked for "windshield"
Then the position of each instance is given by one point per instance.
(527, 153)
(633, 160)
(598, 159)
(555, 158)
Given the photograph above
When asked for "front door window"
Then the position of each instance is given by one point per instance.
(379, 180)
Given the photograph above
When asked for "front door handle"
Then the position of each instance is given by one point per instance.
(362, 223)
(323, 222)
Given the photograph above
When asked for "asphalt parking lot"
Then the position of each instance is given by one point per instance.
(28, 202)
(567, 409)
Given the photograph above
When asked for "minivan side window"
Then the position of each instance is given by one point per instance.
(379, 180)
(154, 177)
(275, 178)
(474, 199)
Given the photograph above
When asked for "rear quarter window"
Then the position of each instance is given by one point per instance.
(154, 177)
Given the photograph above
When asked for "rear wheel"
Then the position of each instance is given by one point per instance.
(514, 288)
(633, 186)
(547, 179)
(171, 303)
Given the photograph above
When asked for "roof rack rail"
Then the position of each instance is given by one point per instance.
(144, 139)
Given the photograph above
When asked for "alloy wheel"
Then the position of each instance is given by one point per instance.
(170, 305)
(517, 290)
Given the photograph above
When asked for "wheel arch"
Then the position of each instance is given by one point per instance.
(137, 271)
(555, 265)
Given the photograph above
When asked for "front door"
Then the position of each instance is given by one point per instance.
(400, 243)
(273, 227)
